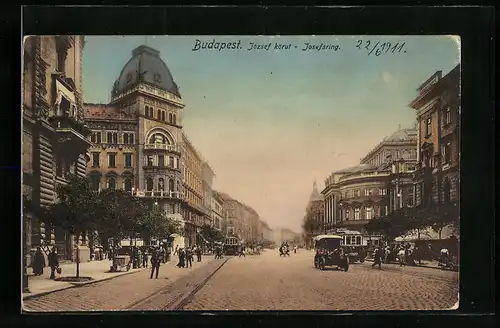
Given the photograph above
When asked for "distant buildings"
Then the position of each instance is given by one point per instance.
(241, 220)
(218, 211)
(413, 168)
(314, 220)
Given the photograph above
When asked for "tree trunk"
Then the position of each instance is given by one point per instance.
(77, 260)
(440, 232)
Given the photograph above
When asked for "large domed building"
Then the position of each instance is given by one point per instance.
(380, 183)
(139, 144)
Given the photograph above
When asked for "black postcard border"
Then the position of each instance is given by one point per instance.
(473, 24)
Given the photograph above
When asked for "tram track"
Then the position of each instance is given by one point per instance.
(180, 293)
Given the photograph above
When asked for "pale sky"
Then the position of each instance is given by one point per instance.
(272, 122)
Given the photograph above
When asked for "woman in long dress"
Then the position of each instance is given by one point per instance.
(38, 262)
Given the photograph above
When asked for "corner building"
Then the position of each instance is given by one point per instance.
(137, 138)
(54, 143)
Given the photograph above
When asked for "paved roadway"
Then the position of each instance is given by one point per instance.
(268, 282)
(263, 282)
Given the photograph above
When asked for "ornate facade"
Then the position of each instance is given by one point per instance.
(218, 212)
(139, 144)
(381, 183)
(315, 212)
(208, 176)
(437, 105)
(54, 142)
(240, 219)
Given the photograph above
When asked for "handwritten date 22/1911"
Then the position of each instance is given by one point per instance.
(381, 48)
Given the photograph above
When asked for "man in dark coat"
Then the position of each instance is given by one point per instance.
(377, 257)
(189, 257)
(182, 257)
(198, 253)
(53, 263)
(155, 263)
(38, 262)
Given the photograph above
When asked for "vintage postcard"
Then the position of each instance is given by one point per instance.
(222, 173)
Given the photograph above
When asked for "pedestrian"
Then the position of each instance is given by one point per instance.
(198, 253)
(182, 257)
(189, 257)
(295, 249)
(176, 252)
(401, 256)
(377, 257)
(53, 263)
(38, 262)
(155, 263)
(145, 258)
(242, 252)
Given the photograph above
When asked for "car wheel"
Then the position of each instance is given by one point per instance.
(322, 264)
(316, 263)
(361, 260)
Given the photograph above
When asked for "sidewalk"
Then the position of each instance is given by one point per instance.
(425, 264)
(98, 270)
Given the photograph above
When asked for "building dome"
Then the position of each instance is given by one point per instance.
(147, 67)
(403, 135)
(357, 168)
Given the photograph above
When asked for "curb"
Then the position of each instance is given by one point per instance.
(80, 284)
(417, 266)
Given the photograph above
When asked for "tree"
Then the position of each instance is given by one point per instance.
(155, 223)
(211, 234)
(395, 224)
(118, 217)
(77, 209)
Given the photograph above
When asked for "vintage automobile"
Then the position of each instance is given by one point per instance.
(330, 252)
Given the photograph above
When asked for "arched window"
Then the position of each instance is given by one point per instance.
(125, 138)
(171, 185)
(178, 185)
(158, 138)
(159, 114)
(127, 184)
(131, 138)
(151, 111)
(149, 184)
(110, 137)
(112, 183)
(161, 184)
(368, 212)
(163, 115)
(174, 119)
(170, 120)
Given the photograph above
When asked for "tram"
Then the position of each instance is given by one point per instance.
(232, 245)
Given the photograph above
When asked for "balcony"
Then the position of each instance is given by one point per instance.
(164, 147)
(158, 194)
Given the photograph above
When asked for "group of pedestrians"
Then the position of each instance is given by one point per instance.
(39, 262)
(186, 255)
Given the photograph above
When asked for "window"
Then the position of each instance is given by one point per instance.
(149, 184)
(174, 118)
(356, 193)
(92, 137)
(356, 214)
(95, 159)
(369, 212)
(447, 116)
(112, 183)
(382, 191)
(127, 159)
(158, 138)
(111, 160)
(163, 115)
(125, 138)
(368, 192)
(131, 138)
(358, 240)
(109, 138)
(159, 114)
(171, 162)
(347, 214)
(115, 138)
(171, 184)
(428, 127)
(61, 58)
(446, 152)
(127, 184)
(149, 160)
(161, 184)
(98, 137)
(161, 160)
(95, 181)
(151, 112)
(170, 118)
(446, 190)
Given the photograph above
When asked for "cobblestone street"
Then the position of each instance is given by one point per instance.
(263, 282)
(268, 282)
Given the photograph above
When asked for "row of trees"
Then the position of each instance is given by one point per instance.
(113, 213)
(406, 221)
